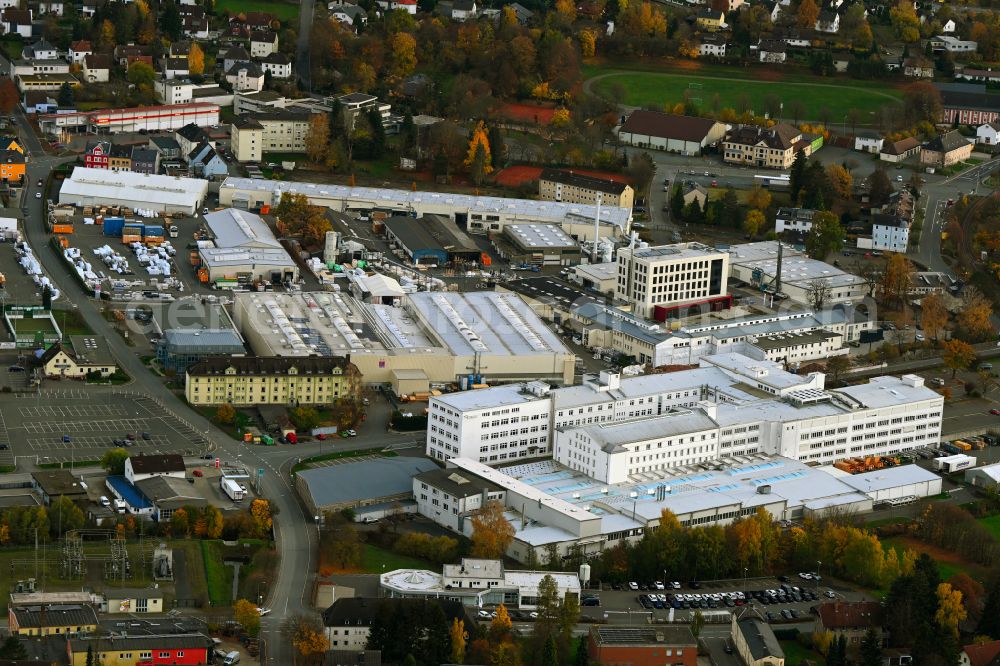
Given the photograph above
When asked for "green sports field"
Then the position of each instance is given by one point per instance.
(656, 88)
(284, 12)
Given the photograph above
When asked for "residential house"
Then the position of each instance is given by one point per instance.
(351, 15)
(205, 162)
(97, 68)
(841, 61)
(17, 22)
(408, 6)
(179, 50)
(233, 55)
(768, 147)
(918, 67)
(695, 192)
(851, 619)
(126, 54)
(278, 65)
(40, 50)
(710, 20)
(145, 160)
(196, 26)
(51, 7)
(571, 187)
(948, 27)
(242, 25)
(60, 620)
(463, 10)
(78, 51)
(712, 45)
(980, 654)
(39, 101)
(686, 135)
(988, 134)
(263, 43)
(521, 13)
(754, 641)
(165, 147)
(897, 151)
(120, 158)
(141, 649)
(828, 21)
(190, 136)
(946, 149)
(141, 467)
(348, 621)
(798, 220)
(176, 68)
(355, 103)
(733, 5)
(246, 76)
(771, 50)
(868, 142)
(84, 355)
(890, 233)
(280, 130)
(981, 75)
(97, 154)
(943, 43)
(32, 67)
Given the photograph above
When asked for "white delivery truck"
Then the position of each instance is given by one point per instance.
(232, 490)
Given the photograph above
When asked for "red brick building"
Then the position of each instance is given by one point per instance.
(97, 155)
(643, 646)
(179, 649)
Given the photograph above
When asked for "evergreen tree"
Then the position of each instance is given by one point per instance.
(730, 209)
(90, 655)
(435, 645)
(66, 98)
(582, 652)
(378, 134)
(871, 649)
(796, 177)
(989, 623)
(550, 655)
(171, 23)
(497, 147)
(13, 649)
(676, 202)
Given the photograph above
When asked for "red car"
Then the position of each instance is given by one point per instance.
(995, 412)
(198, 472)
(321, 437)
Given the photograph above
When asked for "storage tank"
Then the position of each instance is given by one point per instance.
(584, 574)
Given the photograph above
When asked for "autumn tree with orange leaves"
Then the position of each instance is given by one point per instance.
(492, 533)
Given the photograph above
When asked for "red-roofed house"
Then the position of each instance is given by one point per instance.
(851, 619)
(979, 655)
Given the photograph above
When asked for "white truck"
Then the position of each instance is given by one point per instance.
(232, 489)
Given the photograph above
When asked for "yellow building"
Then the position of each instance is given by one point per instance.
(86, 355)
(766, 147)
(51, 82)
(179, 649)
(38, 620)
(572, 187)
(312, 380)
(711, 20)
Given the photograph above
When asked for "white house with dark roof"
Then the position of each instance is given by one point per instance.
(138, 468)
(988, 134)
(686, 135)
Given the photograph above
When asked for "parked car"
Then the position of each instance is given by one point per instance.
(198, 472)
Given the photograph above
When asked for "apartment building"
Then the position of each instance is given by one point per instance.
(793, 219)
(765, 147)
(883, 417)
(275, 131)
(516, 421)
(574, 187)
(315, 380)
(658, 281)
(356, 103)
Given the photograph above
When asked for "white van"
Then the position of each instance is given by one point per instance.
(105, 501)
(231, 659)
(119, 506)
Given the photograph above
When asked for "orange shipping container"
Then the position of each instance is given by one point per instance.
(63, 241)
(131, 239)
(485, 260)
(62, 228)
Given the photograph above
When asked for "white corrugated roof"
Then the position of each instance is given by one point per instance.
(126, 186)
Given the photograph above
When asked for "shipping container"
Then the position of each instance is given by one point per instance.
(62, 228)
(113, 226)
(128, 239)
(950, 448)
(153, 230)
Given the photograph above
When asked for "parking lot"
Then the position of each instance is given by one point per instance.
(60, 425)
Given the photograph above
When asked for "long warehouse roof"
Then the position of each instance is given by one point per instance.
(126, 186)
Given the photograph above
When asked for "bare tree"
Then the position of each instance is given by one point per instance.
(872, 276)
(818, 293)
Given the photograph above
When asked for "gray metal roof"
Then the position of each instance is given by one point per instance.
(760, 639)
(197, 340)
(364, 480)
(240, 228)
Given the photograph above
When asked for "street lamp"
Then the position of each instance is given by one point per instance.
(816, 577)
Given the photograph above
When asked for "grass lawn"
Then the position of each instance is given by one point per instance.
(32, 325)
(993, 525)
(12, 48)
(218, 577)
(376, 560)
(656, 88)
(948, 563)
(796, 653)
(283, 11)
(896, 520)
(71, 322)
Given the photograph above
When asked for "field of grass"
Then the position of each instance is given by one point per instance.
(376, 560)
(895, 520)
(71, 322)
(218, 577)
(283, 11)
(796, 653)
(993, 525)
(656, 88)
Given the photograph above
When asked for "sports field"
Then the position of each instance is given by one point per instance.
(656, 88)
(284, 12)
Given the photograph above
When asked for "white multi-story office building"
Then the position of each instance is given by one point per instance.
(883, 417)
(659, 281)
(514, 422)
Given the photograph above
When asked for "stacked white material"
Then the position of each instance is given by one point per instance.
(112, 259)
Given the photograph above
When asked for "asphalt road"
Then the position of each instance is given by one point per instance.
(293, 531)
(302, 61)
